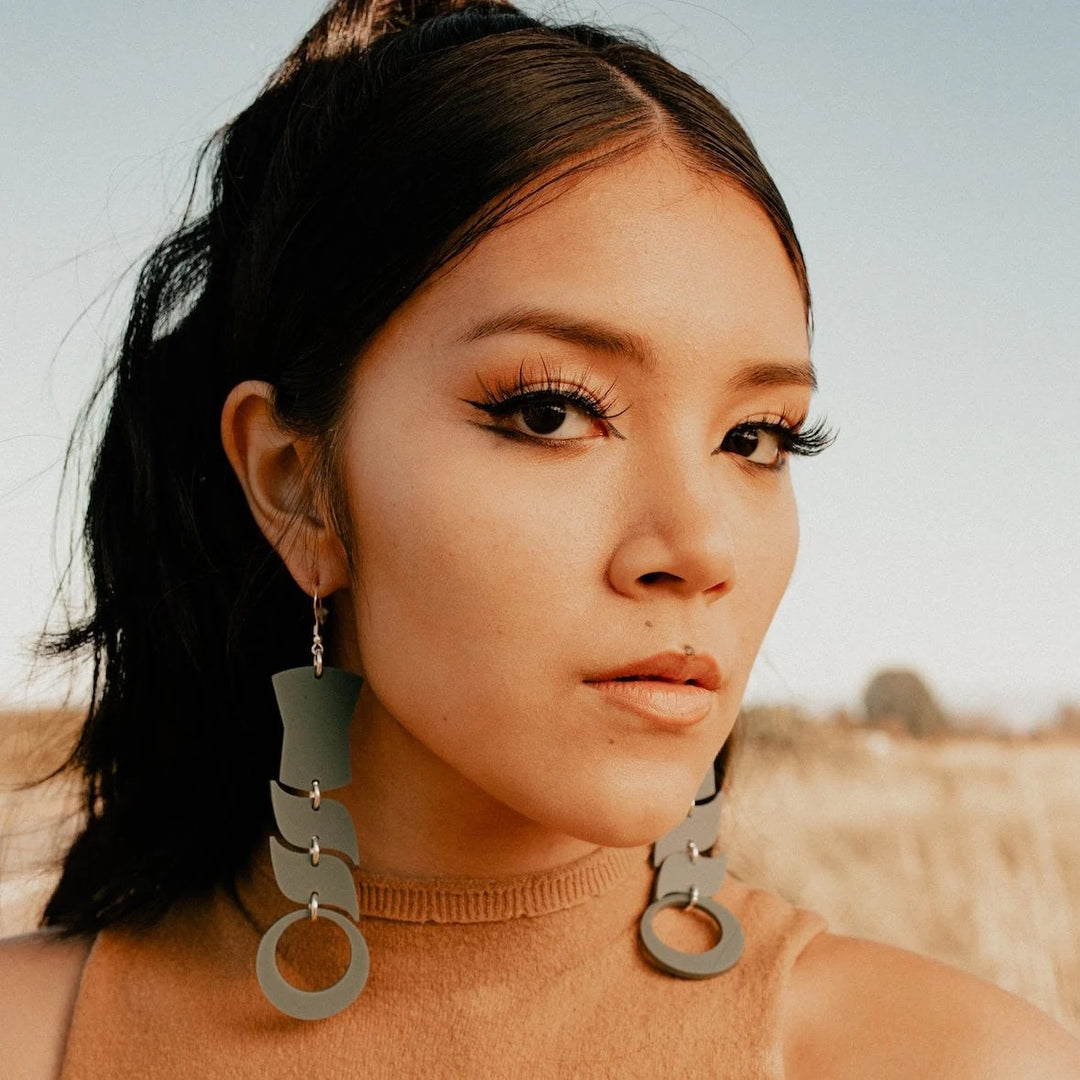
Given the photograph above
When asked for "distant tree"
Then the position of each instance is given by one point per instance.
(773, 723)
(900, 697)
(1067, 719)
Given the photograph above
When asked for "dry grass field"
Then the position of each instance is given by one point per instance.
(964, 849)
(35, 822)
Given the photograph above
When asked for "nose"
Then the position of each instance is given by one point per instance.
(681, 538)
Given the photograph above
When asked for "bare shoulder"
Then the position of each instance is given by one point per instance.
(39, 981)
(859, 1009)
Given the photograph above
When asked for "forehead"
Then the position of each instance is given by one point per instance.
(646, 243)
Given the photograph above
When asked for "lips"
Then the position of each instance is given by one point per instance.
(669, 667)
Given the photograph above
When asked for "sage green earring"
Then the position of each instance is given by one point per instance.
(688, 874)
(316, 706)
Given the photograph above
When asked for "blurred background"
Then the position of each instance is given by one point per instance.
(913, 717)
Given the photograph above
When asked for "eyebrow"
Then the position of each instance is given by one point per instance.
(605, 338)
(600, 337)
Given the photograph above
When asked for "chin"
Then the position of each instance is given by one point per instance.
(625, 837)
(631, 816)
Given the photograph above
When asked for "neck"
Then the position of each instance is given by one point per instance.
(416, 816)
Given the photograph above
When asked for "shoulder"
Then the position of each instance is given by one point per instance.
(39, 981)
(859, 1009)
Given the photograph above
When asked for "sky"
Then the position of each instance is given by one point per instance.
(929, 155)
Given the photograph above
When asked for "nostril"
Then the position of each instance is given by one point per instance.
(657, 575)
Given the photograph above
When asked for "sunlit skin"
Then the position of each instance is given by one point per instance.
(494, 575)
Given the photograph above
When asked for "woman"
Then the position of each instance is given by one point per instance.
(454, 437)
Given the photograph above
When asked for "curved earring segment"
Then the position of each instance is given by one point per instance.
(298, 822)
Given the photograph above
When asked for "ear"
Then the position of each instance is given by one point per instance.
(272, 467)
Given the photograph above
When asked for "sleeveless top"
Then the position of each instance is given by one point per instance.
(539, 975)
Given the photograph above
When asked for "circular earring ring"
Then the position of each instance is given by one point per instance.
(704, 965)
(312, 1004)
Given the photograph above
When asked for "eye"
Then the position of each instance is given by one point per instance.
(550, 411)
(760, 444)
(550, 415)
(769, 443)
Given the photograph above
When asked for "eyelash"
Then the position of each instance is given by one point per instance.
(505, 399)
(793, 438)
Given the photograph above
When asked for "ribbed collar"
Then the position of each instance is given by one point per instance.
(462, 900)
(480, 900)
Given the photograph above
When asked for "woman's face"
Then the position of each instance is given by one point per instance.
(507, 559)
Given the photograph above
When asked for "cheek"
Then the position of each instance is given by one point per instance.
(420, 543)
(765, 567)
(461, 568)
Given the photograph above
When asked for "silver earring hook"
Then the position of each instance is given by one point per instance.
(319, 613)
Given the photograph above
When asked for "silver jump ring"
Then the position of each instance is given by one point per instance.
(316, 795)
(314, 850)
(693, 851)
(313, 906)
(695, 894)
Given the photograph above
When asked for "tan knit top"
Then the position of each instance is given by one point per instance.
(537, 976)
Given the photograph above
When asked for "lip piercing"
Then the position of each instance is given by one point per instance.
(688, 649)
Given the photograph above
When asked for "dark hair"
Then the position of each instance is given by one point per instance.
(394, 137)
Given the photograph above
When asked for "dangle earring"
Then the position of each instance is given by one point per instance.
(688, 875)
(316, 706)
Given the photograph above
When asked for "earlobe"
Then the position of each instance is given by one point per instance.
(271, 464)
